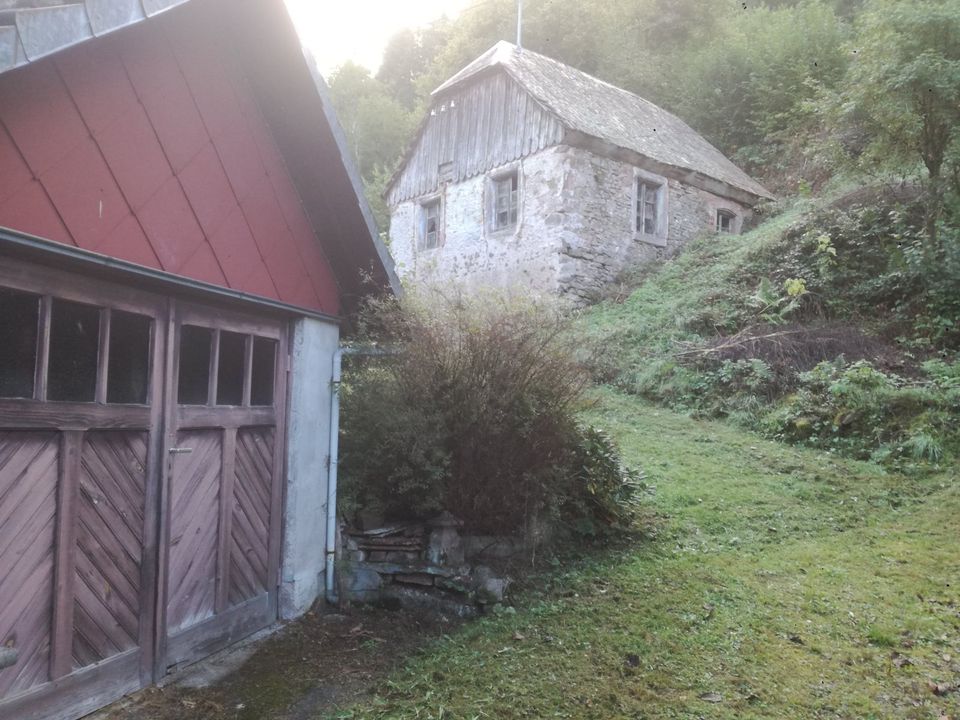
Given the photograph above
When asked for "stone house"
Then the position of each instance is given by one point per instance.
(531, 173)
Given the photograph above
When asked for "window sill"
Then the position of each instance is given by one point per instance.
(659, 241)
(504, 232)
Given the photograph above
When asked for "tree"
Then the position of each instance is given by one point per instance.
(376, 125)
(904, 89)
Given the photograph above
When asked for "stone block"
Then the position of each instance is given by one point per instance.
(361, 580)
(421, 579)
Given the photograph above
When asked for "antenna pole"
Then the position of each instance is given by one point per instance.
(520, 24)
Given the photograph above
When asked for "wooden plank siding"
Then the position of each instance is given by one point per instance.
(479, 127)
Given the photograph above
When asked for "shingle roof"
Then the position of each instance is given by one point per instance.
(596, 108)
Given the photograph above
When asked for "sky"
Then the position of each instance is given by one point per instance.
(358, 30)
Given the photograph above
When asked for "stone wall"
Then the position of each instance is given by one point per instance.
(575, 232)
(526, 257)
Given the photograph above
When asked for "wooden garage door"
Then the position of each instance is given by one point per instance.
(223, 505)
(80, 388)
(140, 486)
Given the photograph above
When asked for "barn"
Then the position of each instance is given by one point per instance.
(181, 233)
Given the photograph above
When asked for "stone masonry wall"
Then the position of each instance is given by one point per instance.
(526, 257)
(575, 232)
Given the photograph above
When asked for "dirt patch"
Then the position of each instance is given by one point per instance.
(311, 668)
(798, 348)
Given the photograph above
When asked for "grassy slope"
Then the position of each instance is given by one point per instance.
(782, 583)
(705, 290)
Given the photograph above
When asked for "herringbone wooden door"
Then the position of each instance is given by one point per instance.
(80, 432)
(223, 489)
(109, 545)
(28, 508)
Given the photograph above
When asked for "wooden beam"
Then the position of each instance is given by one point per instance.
(225, 529)
(43, 349)
(61, 652)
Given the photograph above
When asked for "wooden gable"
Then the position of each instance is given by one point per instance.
(471, 129)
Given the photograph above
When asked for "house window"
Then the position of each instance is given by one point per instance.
(506, 197)
(725, 220)
(648, 207)
(430, 225)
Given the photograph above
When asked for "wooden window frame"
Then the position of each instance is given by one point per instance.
(51, 284)
(730, 217)
(504, 198)
(644, 185)
(424, 233)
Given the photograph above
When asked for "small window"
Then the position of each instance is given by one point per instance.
(128, 371)
(19, 322)
(194, 368)
(725, 220)
(262, 375)
(648, 207)
(430, 225)
(231, 360)
(74, 349)
(506, 200)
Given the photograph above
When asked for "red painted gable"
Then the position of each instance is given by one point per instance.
(149, 146)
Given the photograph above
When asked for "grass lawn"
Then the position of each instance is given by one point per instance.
(779, 583)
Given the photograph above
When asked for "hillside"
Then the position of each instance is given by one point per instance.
(748, 601)
(822, 327)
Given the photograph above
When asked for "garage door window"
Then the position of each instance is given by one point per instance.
(19, 319)
(223, 368)
(52, 349)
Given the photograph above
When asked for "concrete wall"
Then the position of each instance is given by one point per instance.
(575, 233)
(308, 448)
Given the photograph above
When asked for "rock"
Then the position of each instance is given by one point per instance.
(415, 598)
(333, 618)
(361, 580)
(422, 579)
(490, 588)
(398, 556)
(445, 547)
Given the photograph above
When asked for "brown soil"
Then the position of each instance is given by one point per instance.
(309, 669)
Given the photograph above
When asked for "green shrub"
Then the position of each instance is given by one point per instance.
(860, 411)
(605, 495)
(476, 413)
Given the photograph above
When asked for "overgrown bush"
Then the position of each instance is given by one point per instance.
(857, 410)
(474, 411)
(865, 256)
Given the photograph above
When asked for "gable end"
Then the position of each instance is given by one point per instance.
(472, 129)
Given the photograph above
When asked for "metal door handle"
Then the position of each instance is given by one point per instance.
(180, 451)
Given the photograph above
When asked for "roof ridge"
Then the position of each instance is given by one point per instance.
(586, 103)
